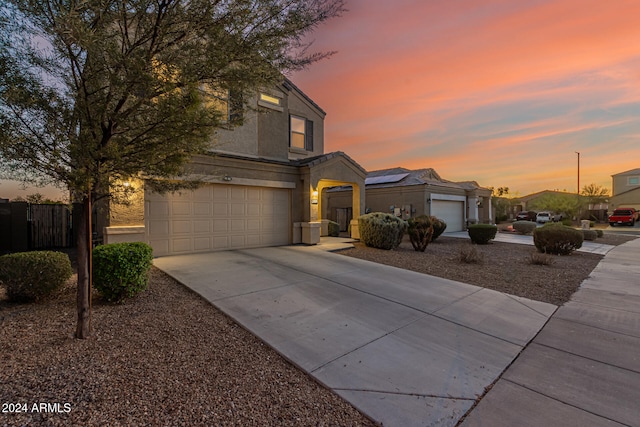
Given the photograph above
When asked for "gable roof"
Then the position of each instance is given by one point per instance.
(629, 172)
(289, 85)
(400, 177)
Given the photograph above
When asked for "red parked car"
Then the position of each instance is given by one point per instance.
(622, 216)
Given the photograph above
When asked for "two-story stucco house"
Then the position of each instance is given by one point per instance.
(262, 185)
(625, 190)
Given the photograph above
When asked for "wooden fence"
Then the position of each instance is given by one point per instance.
(29, 226)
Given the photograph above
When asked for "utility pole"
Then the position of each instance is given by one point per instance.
(578, 172)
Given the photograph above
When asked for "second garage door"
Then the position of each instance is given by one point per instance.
(451, 212)
(217, 217)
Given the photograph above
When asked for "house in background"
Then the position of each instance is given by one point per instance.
(409, 193)
(262, 185)
(625, 190)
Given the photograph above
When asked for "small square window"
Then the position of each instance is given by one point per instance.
(633, 180)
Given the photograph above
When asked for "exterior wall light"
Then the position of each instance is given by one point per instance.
(226, 178)
(314, 197)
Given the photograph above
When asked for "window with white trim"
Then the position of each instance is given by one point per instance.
(633, 180)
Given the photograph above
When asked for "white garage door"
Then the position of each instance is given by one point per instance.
(451, 212)
(217, 217)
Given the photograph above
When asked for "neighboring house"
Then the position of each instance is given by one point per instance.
(528, 203)
(409, 193)
(625, 190)
(262, 180)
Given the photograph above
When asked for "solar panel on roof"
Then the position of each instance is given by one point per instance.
(385, 179)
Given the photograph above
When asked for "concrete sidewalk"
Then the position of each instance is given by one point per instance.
(405, 348)
(587, 247)
(583, 368)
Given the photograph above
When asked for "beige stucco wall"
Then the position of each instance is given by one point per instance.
(130, 213)
(630, 199)
(621, 184)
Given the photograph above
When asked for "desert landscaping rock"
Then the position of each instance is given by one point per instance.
(167, 357)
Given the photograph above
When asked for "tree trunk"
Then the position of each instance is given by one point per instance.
(83, 218)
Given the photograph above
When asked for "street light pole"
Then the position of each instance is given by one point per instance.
(578, 172)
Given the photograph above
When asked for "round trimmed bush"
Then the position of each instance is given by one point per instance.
(420, 232)
(381, 230)
(524, 227)
(589, 235)
(482, 233)
(557, 239)
(121, 270)
(438, 227)
(599, 232)
(32, 276)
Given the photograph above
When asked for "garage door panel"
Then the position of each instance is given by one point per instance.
(202, 208)
(181, 227)
(220, 209)
(203, 226)
(158, 209)
(253, 209)
(201, 243)
(451, 212)
(159, 228)
(181, 245)
(238, 209)
(181, 208)
(218, 217)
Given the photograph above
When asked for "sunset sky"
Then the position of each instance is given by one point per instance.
(499, 91)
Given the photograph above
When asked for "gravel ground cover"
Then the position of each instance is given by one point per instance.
(505, 267)
(165, 358)
(169, 358)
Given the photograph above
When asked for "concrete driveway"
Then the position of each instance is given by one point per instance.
(403, 347)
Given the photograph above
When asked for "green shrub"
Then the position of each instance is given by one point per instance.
(482, 233)
(599, 232)
(592, 224)
(381, 230)
(524, 227)
(334, 229)
(420, 232)
(567, 222)
(589, 234)
(438, 227)
(557, 239)
(31, 276)
(121, 270)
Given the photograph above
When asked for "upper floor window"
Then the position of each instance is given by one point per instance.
(633, 180)
(227, 102)
(301, 133)
(271, 101)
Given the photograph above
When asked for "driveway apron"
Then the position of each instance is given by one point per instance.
(406, 349)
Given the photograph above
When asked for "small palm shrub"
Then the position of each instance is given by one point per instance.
(438, 227)
(470, 255)
(599, 232)
(420, 230)
(121, 270)
(589, 235)
(32, 276)
(381, 230)
(524, 227)
(482, 233)
(557, 239)
(334, 229)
